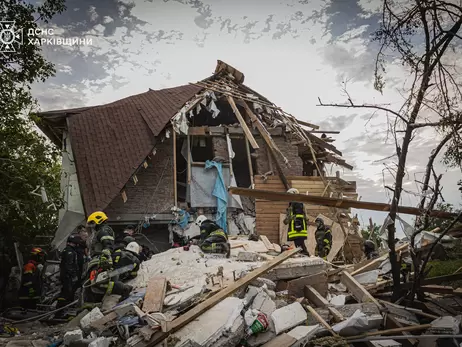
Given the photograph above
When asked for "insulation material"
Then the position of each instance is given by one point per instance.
(213, 109)
(201, 188)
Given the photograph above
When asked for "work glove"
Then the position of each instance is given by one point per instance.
(105, 259)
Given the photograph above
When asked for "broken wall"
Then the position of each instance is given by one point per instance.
(289, 151)
(154, 191)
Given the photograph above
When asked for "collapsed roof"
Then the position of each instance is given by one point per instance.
(110, 142)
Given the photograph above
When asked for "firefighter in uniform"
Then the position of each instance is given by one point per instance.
(127, 256)
(212, 238)
(296, 218)
(102, 235)
(369, 250)
(31, 284)
(323, 238)
(70, 268)
(95, 293)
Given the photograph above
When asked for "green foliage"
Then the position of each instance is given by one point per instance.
(375, 237)
(27, 159)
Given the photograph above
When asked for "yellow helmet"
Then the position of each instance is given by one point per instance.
(97, 217)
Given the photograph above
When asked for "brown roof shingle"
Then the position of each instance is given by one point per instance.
(110, 142)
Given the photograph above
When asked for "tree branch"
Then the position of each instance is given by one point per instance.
(352, 105)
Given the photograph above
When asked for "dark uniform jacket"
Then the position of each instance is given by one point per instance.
(297, 221)
(103, 239)
(70, 267)
(123, 258)
(323, 237)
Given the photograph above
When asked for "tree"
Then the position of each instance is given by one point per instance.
(419, 34)
(27, 160)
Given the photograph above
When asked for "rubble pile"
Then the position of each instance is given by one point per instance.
(257, 297)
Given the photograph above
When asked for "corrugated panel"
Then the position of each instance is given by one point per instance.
(111, 141)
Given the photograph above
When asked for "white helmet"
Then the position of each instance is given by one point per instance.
(133, 247)
(201, 220)
(293, 191)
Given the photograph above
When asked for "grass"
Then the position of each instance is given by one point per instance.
(444, 268)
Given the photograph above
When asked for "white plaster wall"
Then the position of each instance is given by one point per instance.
(69, 181)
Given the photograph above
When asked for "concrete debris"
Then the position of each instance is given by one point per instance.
(216, 327)
(248, 256)
(445, 325)
(288, 317)
(224, 305)
(261, 339)
(303, 332)
(368, 277)
(357, 324)
(91, 317)
(260, 281)
(100, 342)
(263, 303)
(338, 300)
(74, 335)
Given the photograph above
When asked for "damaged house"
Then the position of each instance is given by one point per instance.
(138, 157)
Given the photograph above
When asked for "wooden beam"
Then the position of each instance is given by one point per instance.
(249, 162)
(269, 142)
(375, 263)
(155, 293)
(192, 314)
(198, 131)
(175, 188)
(189, 159)
(358, 291)
(323, 144)
(338, 317)
(241, 120)
(321, 320)
(323, 131)
(331, 202)
(306, 123)
(315, 298)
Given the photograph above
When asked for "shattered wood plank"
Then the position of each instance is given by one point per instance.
(241, 120)
(198, 131)
(338, 317)
(155, 294)
(283, 340)
(270, 143)
(358, 291)
(321, 320)
(311, 125)
(267, 243)
(195, 312)
(375, 263)
(317, 281)
(433, 288)
(315, 298)
(332, 202)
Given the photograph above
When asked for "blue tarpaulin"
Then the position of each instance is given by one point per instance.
(220, 192)
(183, 219)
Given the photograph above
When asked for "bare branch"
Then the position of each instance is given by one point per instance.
(352, 105)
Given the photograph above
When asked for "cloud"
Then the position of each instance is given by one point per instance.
(337, 122)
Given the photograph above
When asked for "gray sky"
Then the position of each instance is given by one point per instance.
(290, 51)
